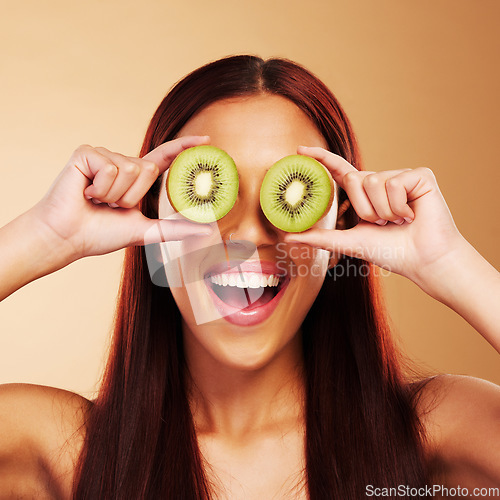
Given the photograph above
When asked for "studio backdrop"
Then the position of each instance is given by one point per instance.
(418, 80)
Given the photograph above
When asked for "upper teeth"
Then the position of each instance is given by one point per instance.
(245, 280)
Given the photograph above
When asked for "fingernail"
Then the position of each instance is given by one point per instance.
(87, 197)
(96, 202)
(381, 222)
(398, 221)
(409, 220)
(113, 205)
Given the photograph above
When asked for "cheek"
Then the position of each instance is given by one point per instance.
(182, 300)
(309, 265)
(183, 262)
(308, 269)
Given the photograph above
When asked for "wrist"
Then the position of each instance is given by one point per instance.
(465, 281)
(53, 252)
(440, 277)
(29, 250)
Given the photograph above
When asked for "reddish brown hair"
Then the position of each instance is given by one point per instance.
(361, 423)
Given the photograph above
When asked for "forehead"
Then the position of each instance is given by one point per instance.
(266, 125)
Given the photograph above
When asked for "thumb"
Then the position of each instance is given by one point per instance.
(335, 240)
(148, 231)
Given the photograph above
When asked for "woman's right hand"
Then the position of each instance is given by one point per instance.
(91, 208)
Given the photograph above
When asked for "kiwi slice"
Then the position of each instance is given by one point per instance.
(297, 190)
(202, 183)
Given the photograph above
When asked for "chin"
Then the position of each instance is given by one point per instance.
(238, 348)
(246, 348)
(247, 361)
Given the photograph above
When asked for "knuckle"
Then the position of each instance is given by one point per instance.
(151, 168)
(350, 178)
(109, 169)
(393, 183)
(371, 181)
(130, 168)
(426, 172)
(82, 149)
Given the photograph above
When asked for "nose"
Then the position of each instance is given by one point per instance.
(246, 221)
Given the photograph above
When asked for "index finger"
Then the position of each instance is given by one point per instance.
(335, 164)
(165, 153)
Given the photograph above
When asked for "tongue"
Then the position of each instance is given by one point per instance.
(244, 298)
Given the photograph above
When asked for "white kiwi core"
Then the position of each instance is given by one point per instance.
(203, 184)
(294, 193)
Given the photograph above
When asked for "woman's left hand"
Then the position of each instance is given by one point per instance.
(405, 225)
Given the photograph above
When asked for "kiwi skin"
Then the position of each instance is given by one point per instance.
(284, 165)
(229, 186)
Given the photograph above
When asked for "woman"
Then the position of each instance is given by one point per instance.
(308, 400)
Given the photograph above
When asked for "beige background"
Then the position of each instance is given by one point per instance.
(419, 81)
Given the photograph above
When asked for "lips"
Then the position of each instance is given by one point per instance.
(246, 293)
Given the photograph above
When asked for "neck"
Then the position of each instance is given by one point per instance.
(238, 403)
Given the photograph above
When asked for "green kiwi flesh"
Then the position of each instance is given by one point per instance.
(202, 183)
(296, 192)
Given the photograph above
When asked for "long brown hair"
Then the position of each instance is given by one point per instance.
(362, 427)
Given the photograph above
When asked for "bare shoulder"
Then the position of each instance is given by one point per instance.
(461, 415)
(41, 433)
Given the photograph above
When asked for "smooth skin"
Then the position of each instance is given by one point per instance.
(253, 440)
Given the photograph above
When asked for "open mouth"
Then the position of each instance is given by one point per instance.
(245, 290)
